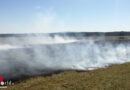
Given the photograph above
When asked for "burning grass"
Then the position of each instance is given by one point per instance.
(116, 77)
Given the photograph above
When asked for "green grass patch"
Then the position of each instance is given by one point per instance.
(116, 77)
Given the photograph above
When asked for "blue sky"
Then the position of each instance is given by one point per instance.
(27, 16)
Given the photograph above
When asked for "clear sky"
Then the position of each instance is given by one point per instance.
(27, 16)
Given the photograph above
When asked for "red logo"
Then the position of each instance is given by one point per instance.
(1, 81)
(4, 84)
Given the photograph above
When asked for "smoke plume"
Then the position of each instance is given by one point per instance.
(29, 56)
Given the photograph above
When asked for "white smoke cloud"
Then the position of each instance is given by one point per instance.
(46, 23)
(43, 58)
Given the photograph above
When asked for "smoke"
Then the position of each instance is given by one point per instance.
(47, 54)
(46, 22)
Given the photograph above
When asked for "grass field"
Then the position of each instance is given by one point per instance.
(116, 77)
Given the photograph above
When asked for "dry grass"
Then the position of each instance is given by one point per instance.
(116, 77)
